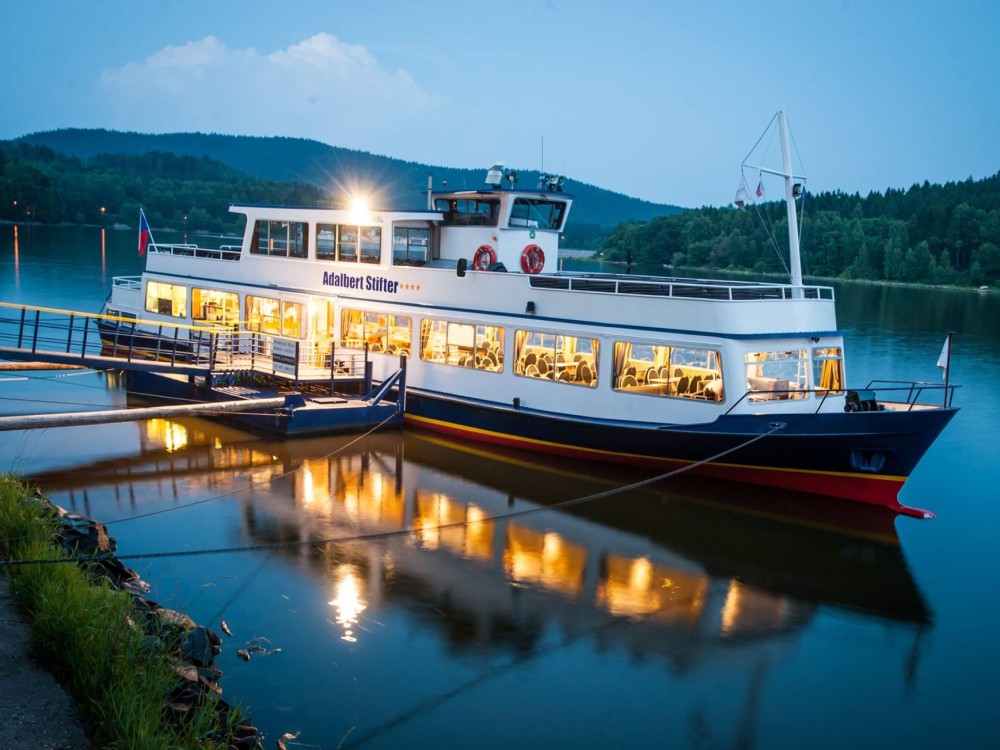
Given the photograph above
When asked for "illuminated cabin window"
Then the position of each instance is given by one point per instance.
(348, 243)
(288, 239)
(545, 558)
(383, 332)
(477, 347)
(411, 246)
(272, 316)
(213, 306)
(777, 375)
(828, 370)
(552, 356)
(668, 371)
(166, 299)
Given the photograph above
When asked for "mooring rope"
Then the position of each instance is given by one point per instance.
(376, 535)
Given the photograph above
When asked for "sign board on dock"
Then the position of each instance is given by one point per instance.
(283, 354)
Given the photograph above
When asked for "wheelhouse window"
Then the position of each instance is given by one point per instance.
(275, 317)
(665, 370)
(410, 245)
(381, 331)
(214, 306)
(828, 370)
(166, 299)
(537, 213)
(478, 347)
(288, 239)
(552, 356)
(469, 211)
(777, 375)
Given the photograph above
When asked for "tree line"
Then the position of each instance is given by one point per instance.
(929, 234)
(41, 185)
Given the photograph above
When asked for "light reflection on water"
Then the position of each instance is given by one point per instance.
(630, 580)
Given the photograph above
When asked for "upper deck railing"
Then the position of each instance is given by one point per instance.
(675, 287)
(224, 252)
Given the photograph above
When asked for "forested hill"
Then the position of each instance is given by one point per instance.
(311, 162)
(934, 234)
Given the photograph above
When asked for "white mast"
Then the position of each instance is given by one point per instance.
(793, 221)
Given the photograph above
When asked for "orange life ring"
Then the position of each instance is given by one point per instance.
(485, 257)
(532, 259)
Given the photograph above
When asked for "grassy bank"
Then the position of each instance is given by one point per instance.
(85, 633)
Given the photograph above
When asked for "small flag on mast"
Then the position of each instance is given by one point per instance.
(944, 360)
(144, 235)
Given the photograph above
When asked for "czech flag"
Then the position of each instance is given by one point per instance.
(143, 232)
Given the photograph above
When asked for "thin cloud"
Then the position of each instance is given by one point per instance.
(318, 88)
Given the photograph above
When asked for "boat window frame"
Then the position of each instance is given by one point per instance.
(532, 218)
(483, 352)
(174, 305)
(526, 366)
(469, 211)
(383, 332)
(280, 238)
(349, 243)
(226, 313)
(820, 356)
(701, 378)
(778, 382)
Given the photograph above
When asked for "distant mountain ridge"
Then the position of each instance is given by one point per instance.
(398, 183)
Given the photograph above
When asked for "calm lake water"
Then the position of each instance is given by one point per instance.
(689, 614)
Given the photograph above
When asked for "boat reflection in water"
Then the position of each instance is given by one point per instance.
(668, 573)
(704, 557)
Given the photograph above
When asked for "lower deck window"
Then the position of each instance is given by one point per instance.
(213, 306)
(382, 332)
(552, 356)
(665, 370)
(478, 347)
(828, 370)
(777, 375)
(166, 299)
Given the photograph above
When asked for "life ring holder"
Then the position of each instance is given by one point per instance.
(484, 257)
(532, 259)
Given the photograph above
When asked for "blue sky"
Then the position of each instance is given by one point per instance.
(660, 100)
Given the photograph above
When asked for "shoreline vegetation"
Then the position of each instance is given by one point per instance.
(931, 234)
(141, 676)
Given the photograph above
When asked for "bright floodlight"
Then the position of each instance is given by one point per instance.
(359, 210)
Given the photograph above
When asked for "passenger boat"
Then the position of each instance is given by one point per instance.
(736, 379)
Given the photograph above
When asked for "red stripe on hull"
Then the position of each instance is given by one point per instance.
(872, 490)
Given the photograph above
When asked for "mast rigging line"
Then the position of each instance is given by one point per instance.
(767, 223)
(377, 535)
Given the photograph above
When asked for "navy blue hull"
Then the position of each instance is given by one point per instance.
(862, 456)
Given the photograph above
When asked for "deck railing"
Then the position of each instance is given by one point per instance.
(223, 252)
(731, 291)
